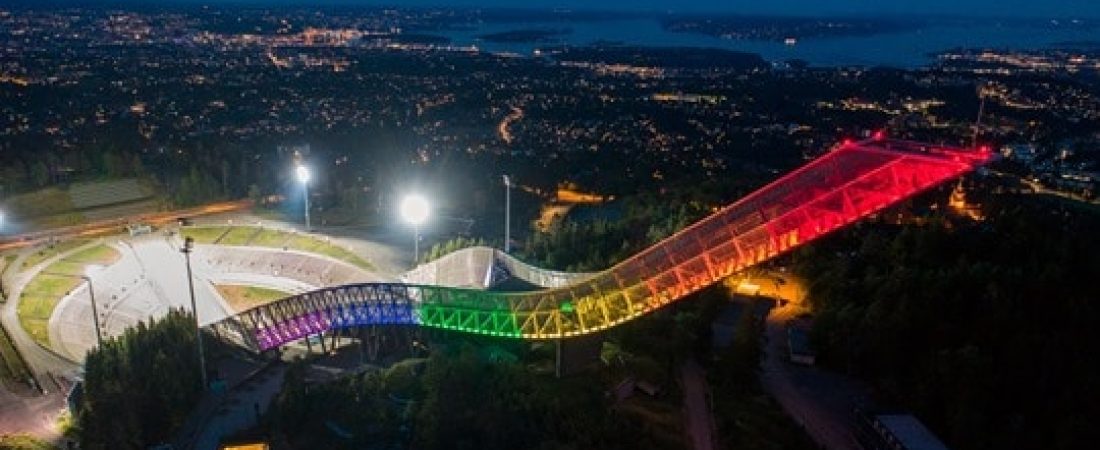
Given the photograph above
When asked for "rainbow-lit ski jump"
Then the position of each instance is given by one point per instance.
(852, 181)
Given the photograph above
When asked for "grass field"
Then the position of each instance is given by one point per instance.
(305, 243)
(37, 302)
(271, 238)
(44, 202)
(342, 254)
(11, 366)
(49, 251)
(238, 236)
(267, 237)
(203, 235)
(57, 220)
(101, 254)
(41, 294)
(246, 297)
(24, 442)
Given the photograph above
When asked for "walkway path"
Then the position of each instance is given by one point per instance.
(700, 422)
(25, 412)
(238, 411)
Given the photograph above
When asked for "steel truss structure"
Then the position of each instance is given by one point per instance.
(850, 182)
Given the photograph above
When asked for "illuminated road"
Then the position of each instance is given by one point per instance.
(850, 182)
(1038, 188)
(113, 226)
(502, 128)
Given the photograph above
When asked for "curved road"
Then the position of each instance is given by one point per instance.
(41, 362)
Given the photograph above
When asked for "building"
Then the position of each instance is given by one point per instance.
(897, 432)
(798, 346)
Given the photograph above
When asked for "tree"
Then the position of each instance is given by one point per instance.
(254, 193)
(40, 173)
(140, 387)
(113, 165)
(137, 168)
(976, 328)
(225, 178)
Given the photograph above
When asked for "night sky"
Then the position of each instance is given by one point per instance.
(1018, 8)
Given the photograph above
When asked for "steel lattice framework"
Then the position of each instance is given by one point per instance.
(850, 182)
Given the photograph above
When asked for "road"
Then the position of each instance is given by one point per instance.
(27, 413)
(113, 226)
(502, 129)
(23, 409)
(41, 362)
(1038, 188)
(823, 403)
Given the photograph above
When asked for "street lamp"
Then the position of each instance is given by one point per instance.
(303, 177)
(87, 277)
(415, 210)
(507, 214)
(188, 244)
(88, 272)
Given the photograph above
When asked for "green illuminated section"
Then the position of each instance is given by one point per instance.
(467, 310)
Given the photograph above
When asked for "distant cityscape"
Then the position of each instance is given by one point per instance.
(166, 80)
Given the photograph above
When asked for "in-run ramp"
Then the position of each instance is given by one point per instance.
(850, 182)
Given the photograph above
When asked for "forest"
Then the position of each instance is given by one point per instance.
(474, 392)
(140, 387)
(985, 330)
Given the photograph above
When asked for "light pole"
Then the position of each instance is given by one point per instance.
(507, 214)
(303, 177)
(87, 277)
(415, 210)
(3, 291)
(95, 309)
(188, 243)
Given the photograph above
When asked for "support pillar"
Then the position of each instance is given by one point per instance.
(557, 358)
